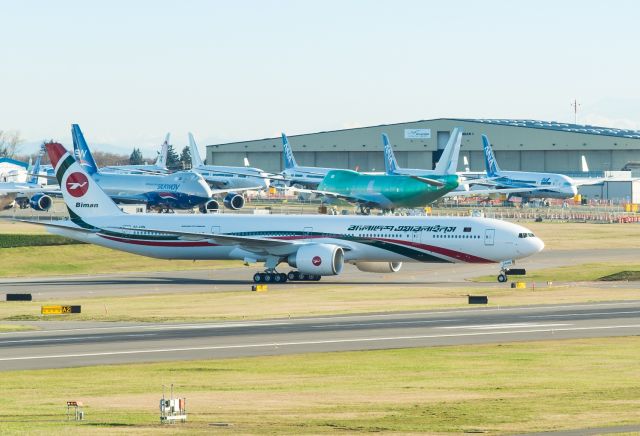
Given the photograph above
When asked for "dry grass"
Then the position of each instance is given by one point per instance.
(501, 389)
(573, 236)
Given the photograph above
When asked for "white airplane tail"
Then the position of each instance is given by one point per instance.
(83, 196)
(448, 162)
(196, 161)
(585, 167)
(161, 161)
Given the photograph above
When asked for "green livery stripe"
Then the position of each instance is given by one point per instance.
(64, 166)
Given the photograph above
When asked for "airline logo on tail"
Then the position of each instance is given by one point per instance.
(390, 160)
(77, 184)
(489, 158)
(289, 160)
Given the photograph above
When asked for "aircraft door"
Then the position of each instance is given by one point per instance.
(215, 230)
(416, 237)
(307, 232)
(489, 235)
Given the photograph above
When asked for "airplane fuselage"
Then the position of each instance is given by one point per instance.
(549, 185)
(375, 239)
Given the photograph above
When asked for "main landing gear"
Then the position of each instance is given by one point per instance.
(276, 277)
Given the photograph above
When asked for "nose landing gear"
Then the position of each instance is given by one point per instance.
(506, 270)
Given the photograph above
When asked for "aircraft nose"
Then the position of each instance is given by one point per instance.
(535, 245)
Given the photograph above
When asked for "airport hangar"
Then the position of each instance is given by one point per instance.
(521, 145)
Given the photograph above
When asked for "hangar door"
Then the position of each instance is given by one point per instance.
(443, 138)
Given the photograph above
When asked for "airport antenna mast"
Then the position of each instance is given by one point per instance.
(575, 105)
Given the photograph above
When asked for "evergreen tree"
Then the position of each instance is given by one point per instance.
(173, 160)
(136, 157)
(185, 157)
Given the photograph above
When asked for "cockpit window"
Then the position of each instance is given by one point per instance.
(526, 235)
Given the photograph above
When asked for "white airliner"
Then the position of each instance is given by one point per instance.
(315, 245)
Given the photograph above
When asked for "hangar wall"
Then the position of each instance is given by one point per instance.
(524, 145)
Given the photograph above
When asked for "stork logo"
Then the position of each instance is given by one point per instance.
(316, 261)
(77, 184)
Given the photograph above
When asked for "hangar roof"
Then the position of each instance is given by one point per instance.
(564, 127)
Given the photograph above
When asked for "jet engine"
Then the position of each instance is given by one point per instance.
(233, 201)
(379, 267)
(318, 259)
(40, 202)
(210, 206)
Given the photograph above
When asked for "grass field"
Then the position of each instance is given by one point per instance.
(574, 273)
(501, 389)
(304, 301)
(5, 328)
(88, 259)
(572, 236)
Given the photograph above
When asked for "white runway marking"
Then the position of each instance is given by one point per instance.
(317, 342)
(383, 323)
(77, 338)
(502, 326)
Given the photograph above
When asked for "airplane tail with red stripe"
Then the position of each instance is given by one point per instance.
(83, 196)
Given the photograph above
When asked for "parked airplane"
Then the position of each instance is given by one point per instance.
(159, 167)
(534, 185)
(300, 176)
(447, 164)
(29, 194)
(180, 190)
(380, 191)
(315, 245)
(227, 177)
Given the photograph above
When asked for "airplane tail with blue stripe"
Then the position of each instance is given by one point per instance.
(35, 170)
(82, 152)
(287, 154)
(390, 163)
(490, 162)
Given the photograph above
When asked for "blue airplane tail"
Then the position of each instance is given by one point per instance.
(35, 170)
(490, 162)
(82, 152)
(287, 154)
(390, 163)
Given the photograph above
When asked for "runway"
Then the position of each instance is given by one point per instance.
(234, 279)
(78, 344)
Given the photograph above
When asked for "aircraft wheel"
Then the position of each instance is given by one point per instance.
(283, 277)
(277, 278)
(293, 275)
(257, 277)
(268, 277)
(502, 277)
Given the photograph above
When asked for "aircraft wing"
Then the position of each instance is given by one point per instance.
(486, 192)
(370, 200)
(278, 247)
(23, 189)
(236, 190)
(59, 225)
(588, 181)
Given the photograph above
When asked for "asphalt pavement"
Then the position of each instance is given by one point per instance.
(60, 345)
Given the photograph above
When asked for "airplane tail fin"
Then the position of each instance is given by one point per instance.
(83, 196)
(390, 163)
(465, 162)
(246, 162)
(490, 162)
(289, 160)
(196, 161)
(448, 162)
(35, 170)
(161, 161)
(82, 152)
(585, 167)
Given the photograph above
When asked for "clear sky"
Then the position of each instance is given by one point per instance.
(130, 71)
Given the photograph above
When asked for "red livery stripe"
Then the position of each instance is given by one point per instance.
(55, 151)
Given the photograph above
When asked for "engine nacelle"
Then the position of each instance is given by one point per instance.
(233, 201)
(318, 259)
(210, 206)
(40, 202)
(379, 267)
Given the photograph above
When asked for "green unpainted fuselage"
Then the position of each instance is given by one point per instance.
(387, 191)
